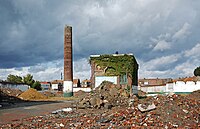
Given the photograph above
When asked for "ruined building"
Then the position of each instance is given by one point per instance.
(121, 69)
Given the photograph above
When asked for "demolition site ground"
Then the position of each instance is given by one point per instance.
(108, 106)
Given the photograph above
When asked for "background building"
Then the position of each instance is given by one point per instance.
(45, 85)
(57, 85)
(76, 83)
(86, 83)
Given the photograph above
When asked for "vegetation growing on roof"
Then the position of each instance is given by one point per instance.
(116, 65)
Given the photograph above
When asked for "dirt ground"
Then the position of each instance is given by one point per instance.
(20, 111)
(106, 107)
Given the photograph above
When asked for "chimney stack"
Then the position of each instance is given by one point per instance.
(68, 67)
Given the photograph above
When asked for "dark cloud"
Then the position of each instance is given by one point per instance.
(31, 31)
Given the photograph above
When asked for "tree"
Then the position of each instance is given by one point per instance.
(36, 85)
(14, 78)
(28, 79)
(197, 71)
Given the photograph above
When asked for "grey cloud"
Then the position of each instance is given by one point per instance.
(162, 45)
(193, 53)
(32, 31)
(183, 32)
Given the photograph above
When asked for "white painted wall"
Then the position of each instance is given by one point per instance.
(100, 79)
(170, 87)
(153, 89)
(189, 86)
(68, 86)
(76, 89)
(54, 86)
(178, 86)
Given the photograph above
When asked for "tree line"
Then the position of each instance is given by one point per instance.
(197, 71)
(28, 79)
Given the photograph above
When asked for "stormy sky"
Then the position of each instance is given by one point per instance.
(164, 35)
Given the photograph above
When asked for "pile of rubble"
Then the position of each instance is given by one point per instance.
(107, 95)
(11, 92)
(171, 111)
(32, 94)
(9, 96)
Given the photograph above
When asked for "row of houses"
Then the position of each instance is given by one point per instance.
(180, 85)
(57, 85)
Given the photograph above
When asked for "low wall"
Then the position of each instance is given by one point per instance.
(152, 89)
(176, 87)
(21, 87)
(189, 86)
(85, 89)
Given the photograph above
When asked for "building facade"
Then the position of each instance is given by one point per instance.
(57, 85)
(45, 85)
(86, 83)
(76, 83)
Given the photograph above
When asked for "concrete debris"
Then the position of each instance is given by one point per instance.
(107, 95)
(131, 102)
(186, 111)
(67, 109)
(144, 108)
(62, 125)
(61, 111)
(56, 111)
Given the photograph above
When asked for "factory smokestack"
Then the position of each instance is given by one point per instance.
(68, 67)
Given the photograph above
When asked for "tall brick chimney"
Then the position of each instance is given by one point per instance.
(68, 67)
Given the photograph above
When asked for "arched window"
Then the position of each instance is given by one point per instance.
(110, 70)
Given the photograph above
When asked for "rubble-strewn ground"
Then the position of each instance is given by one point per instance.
(9, 97)
(110, 106)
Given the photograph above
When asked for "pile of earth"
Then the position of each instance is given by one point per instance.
(32, 94)
(106, 95)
